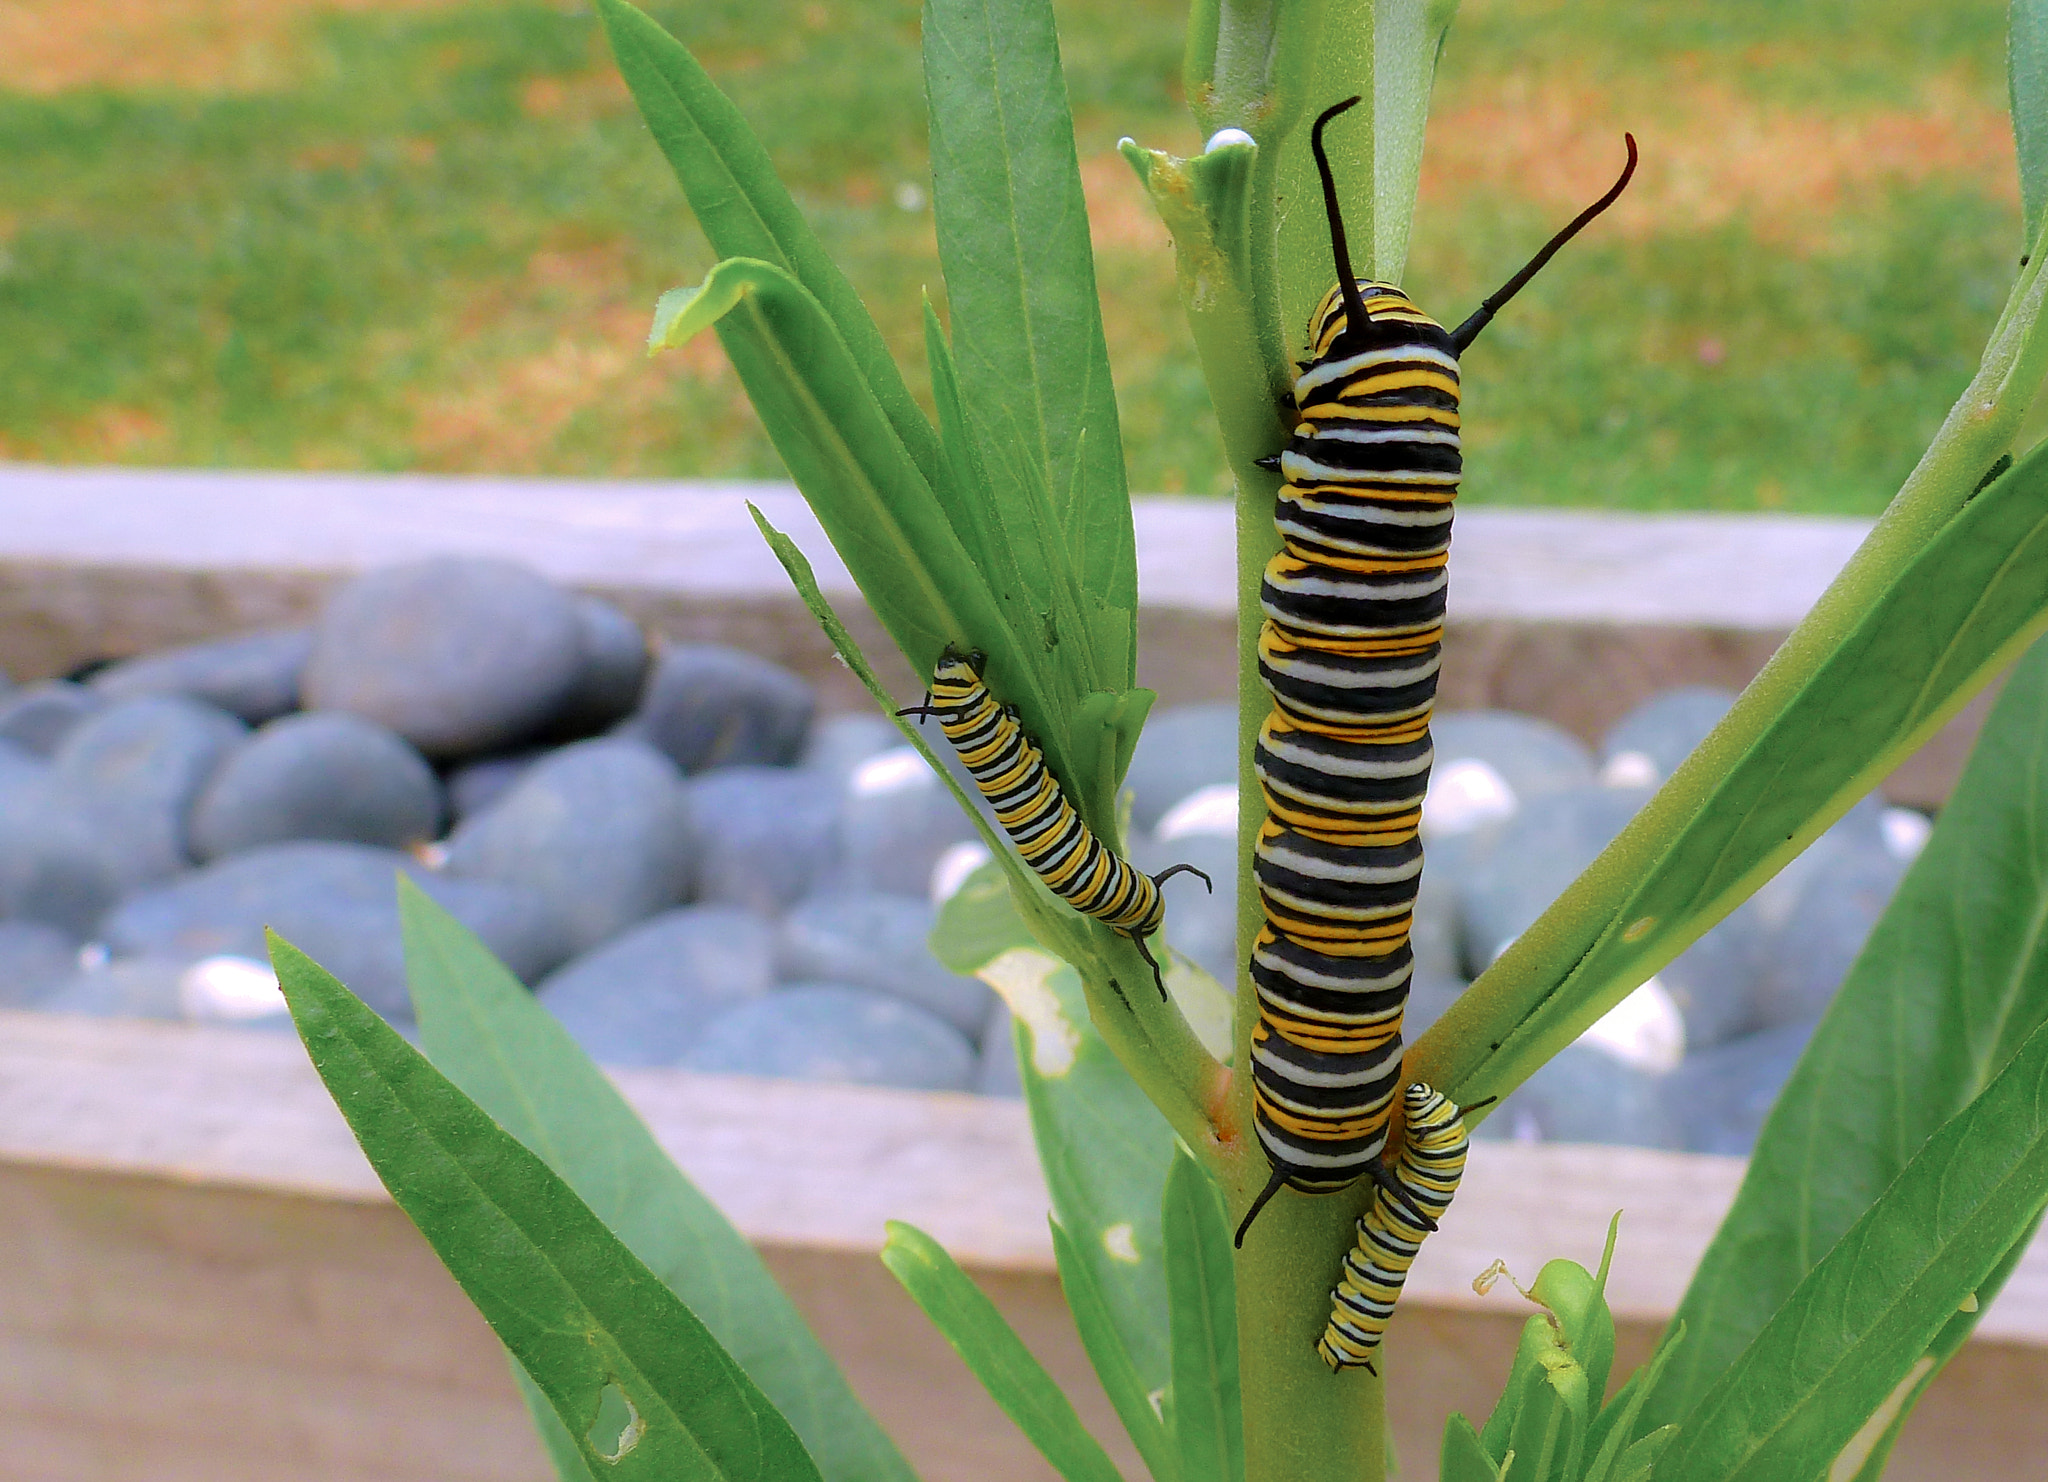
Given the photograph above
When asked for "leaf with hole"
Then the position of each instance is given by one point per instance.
(490, 1036)
(579, 1310)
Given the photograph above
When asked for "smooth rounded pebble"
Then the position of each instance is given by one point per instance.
(600, 830)
(321, 774)
(1720, 1096)
(253, 677)
(1180, 751)
(134, 988)
(997, 1072)
(38, 716)
(1660, 733)
(1586, 1094)
(1533, 757)
(459, 655)
(707, 706)
(1532, 858)
(764, 835)
(828, 1032)
(338, 904)
(53, 866)
(1714, 981)
(879, 942)
(839, 743)
(475, 786)
(644, 997)
(34, 958)
(1201, 923)
(613, 670)
(1805, 961)
(896, 818)
(137, 767)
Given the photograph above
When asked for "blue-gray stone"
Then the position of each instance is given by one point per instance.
(1720, 1097)
(645, 996)
(707, 706)
(1534, 757)
(133, 988)
(1805, 961)
(1714, 981)
(1531, 858)
(1857, 834)
(475, 786)
(600, 830)
(53, 865)
(1585, 1094)
(459, 655)
(840, 743)
(337, 903)
(320, 774)
(896, 818)
(34, 958)
(1429, 997)
(870, 940)
(829, 1032)
(38, 716)
(254, 677)
(136, 768)
(1200, 924)
(1436, 936)
(1180, 751)
(997, 1073)
(764, 835)
(1665, 729)
(614, 667)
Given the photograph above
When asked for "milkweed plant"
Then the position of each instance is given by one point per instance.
(1901, 1173)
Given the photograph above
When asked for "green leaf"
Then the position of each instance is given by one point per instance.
(1013, 1378)
(1525, 1376)
(1579, 1302)
(1950, 984)
(1639, 1460)
(594, 1327)
(1208, 1417)
(1020, 283)
(1550, 1428)
(563, 1452)
(1607, 1439)
(1109, 1358)
(486, 1032)
(1960, 610)
(1464, 1458)
(2027, 76)
(1873, 1305)
(744, 209)
(1408, 39)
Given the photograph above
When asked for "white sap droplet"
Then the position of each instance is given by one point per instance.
(1463, 794)
(894, 770)
(1207, 810)
(1630, 769)
(1645, 1030)
(1023, 977)
(229, 988)
(955, 867)
(1224, 138)
(1121, 1241)
(1905, 832)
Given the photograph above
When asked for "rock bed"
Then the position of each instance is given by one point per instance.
(691, 868)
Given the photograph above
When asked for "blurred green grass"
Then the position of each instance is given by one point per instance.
(434, 243)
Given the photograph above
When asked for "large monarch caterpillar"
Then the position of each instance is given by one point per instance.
(1432, 1161)
(1354, 605)
(1010, 770)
